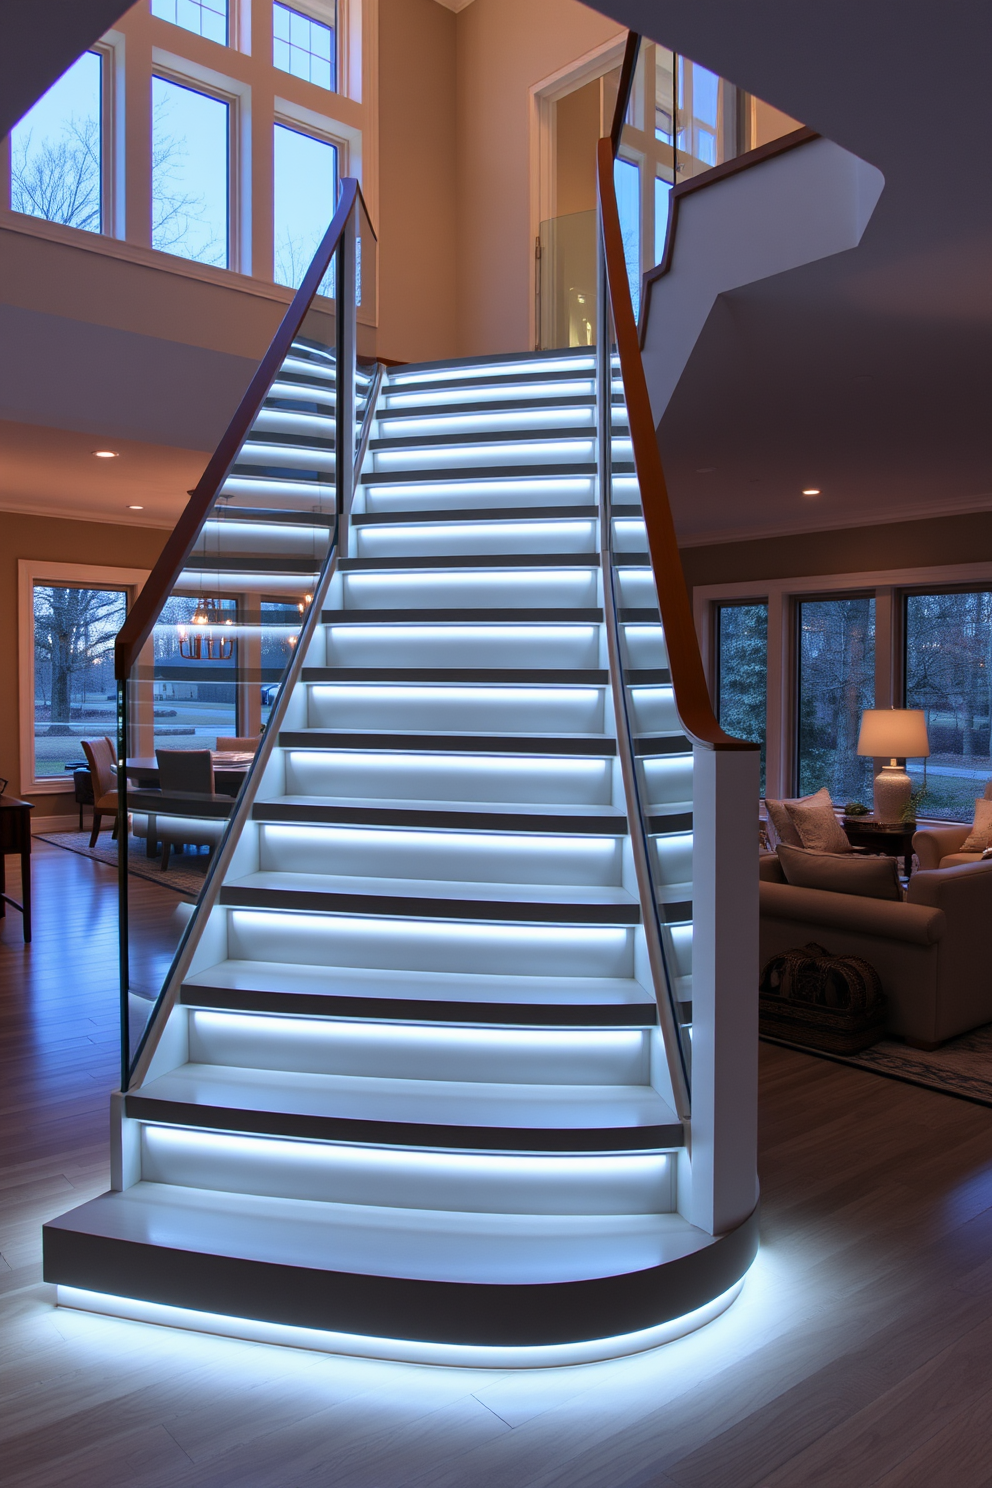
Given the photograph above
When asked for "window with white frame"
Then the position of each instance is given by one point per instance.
(208, 18)
(68, 618)
(304, 197)
(801, 659)
(303, 46)
(57, 150)
(191, 185)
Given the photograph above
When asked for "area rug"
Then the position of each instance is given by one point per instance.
(961, 1067)
(185, 874)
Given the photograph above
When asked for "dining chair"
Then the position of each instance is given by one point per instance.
(228, 745)
(188, 772)
(102, 758)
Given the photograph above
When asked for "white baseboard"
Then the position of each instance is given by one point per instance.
(41, 824)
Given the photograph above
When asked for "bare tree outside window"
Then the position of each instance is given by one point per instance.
(949, 675)
(74, 633)
(56, 164)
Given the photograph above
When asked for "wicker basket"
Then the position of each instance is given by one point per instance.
(833, 1003)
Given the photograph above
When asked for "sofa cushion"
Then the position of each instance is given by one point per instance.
(980, 836)
(817, 825)
(781, 818)
(840, 873)
(959, 859)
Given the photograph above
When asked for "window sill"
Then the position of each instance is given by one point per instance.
(152, 258)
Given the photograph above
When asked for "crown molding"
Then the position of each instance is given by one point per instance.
(455, 5)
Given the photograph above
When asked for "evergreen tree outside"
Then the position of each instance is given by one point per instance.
(743, 673)
(836, 681)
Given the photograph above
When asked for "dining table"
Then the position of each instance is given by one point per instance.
(230, 769)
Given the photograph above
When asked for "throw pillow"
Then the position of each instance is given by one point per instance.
(841, 873)
(782, 822)
(817, 825)
(980, 836)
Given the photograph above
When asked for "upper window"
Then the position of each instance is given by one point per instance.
(56, 150)
(190, 173)
(205, 17)
(305, 196)
(304, 47)
(627, 179)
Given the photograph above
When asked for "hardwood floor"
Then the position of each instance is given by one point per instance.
(857, 1355)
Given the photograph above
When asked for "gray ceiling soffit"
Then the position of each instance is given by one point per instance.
(39, 39)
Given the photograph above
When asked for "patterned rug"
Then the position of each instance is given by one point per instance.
(961, 1067)
(185, 875)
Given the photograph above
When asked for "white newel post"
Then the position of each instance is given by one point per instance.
(724, 988)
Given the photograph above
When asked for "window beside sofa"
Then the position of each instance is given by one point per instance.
(793, 661)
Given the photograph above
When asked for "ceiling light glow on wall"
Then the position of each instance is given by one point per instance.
(136, 508)
(107, 454)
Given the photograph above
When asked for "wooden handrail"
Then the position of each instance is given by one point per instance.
(140, 622)
(710, 177)
(692, 698)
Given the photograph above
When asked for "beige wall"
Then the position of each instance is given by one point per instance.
(417, 181)
(938, 540)
(505, 47)
(57, 542)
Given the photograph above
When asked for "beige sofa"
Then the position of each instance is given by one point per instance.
(931, 951)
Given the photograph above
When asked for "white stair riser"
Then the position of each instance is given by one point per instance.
(432, 539)
(403, 1052)
(286, 421)
(263, 539)
(494, 372)
(472, 707)
(484, 494)
(481, 588)
(465, 857)
(668, 780)
(274, 494)
(636, 589)
(423, 945)
(564, 449)
(467, 1183)
(288, 457)
(450, 777)
(644, 646)
(679, 938)
(464, 645)
(653, 710)
(673, 856)
(573, 387)
(629, 535)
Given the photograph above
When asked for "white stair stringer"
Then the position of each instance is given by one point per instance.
(409, 1091)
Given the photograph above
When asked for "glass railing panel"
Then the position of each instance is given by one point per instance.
(195, 707)
(661, 755)
(567, 281)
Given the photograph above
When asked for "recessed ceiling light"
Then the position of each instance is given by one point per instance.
(705, 469)
(136, 508)
(811, 490)
(106, 454)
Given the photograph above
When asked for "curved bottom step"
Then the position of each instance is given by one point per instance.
(181, 1248)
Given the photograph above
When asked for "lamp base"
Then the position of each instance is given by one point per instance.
(893, 789)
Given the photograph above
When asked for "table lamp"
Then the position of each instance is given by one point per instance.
(896, 734)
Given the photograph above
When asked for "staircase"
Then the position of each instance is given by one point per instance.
(409, 1095)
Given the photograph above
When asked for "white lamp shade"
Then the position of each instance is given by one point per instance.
(894, 733)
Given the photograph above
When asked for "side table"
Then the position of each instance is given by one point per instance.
(894, 841)
(15, 837)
